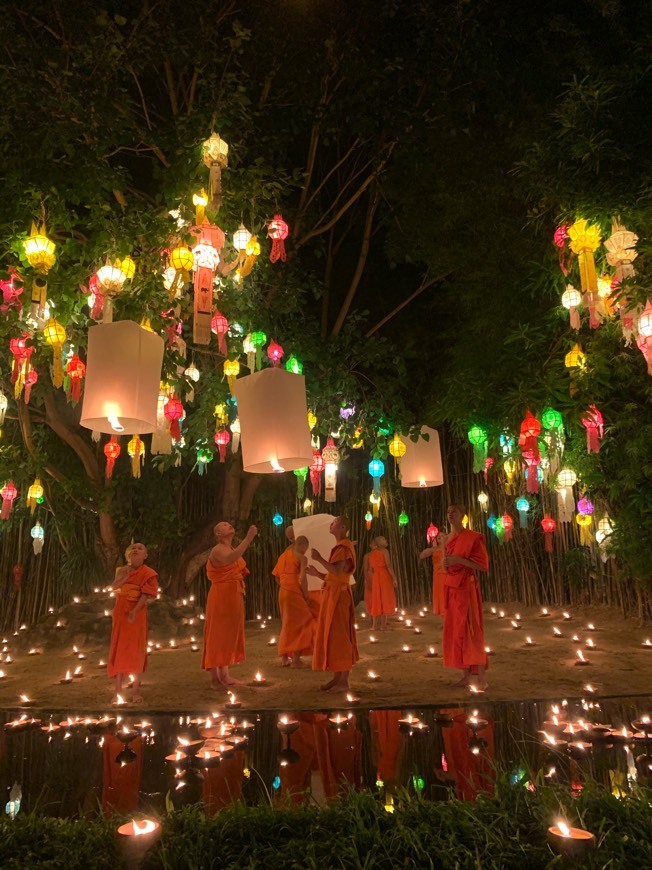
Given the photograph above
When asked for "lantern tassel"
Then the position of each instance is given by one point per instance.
(574, 318)
(522, 519)
(479, 456)
(548, 542)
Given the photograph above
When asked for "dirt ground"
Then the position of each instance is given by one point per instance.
(174, 681)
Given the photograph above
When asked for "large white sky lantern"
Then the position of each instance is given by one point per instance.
(421, 466)
(273, 413)
(123, 374)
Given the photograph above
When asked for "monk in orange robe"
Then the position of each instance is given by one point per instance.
(336, 648)
(297, 623)
(382, 601)
(464, 644)
(121, 782)
(134, 585)
(438, 573)
(386, 743)
(224, 634)
(469, 756)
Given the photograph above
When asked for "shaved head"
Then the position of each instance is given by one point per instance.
(224, 530)
(289, 534)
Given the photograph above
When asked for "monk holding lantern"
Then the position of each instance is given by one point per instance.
(134, 585)
(297, 623)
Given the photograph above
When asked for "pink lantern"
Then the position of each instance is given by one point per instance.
(173, 410)
(274, 352)
(549, 526)
(594, 425)
(206, 259)
(220, 326)
(277, 230)
(111, 451)
(488, 463)
(30, 379)
(11, 290)
(75, 369)
(8, 493)
(431, 533)
(559, 240)
(222, 439)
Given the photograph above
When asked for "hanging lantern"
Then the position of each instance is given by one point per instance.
(293, 365)
(8, 494)
(21, 354)
(307, 506)
(376, 470)
(585, 506)
(431, 534)
(574, 361)
(274, 353)
(375, 503)
(277, 231)
(492, 523)
(331, 457)
(572, 299)
(551, 419)
(274, 421)
(252, 252)
(584, 521)
(522, 506)
(368, 518)
(39, 250)
(621, 253)
(38, 537)
(605, 530)
(316, 468)
(220, 327)
(215, 155)
(421, 466)
(206, 259)
(594, 425)
(200, 201)
(127, 266)
(488, 464)
(75, 369)
(644, 340)
(111, 451)
(301, 474)
(397, 448)
(510, 468)
(566, 480)
(222, 439)
(403, 520)
(136, 450)
(241, 239)
(161, 438)
(235, 435)
(4, 404)
(204, 456)
(54, 335)
(507, 526)
(249, 348)
(174, 411)
(549, 526)
(110, 281)
(192, 373)
(182, 261)
(277, 519)
(584, 241)
(258, 340)
(231, 370)
(34, 493)
(478, 438)
(30, 379)
(559, 240)
(483, 501)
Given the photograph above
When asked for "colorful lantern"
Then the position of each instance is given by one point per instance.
(594, 425)
(621, 251)
(347, 410)
(204, 456)
(510, 468)
(235, 435)
(182, 261)
(30, 379)
(277, 230)
(301, 474)
(4, 404)
(215, 155)
(566, 480)
(210, 240)
(488, 464)
(376, 470)
(522, 506)
(220, 327)
(250, 349)
(241, 239)
(54, 335)
(559, 240)
(584, 521)
(431, 534)
(478, 438)
(258, 340)
(38, 537)
(200, 201)
(293, 365)
(174, 411)
(644, 340)
(574, 361)
(231, 370)
(8, 494)
(331, 456)
(422, 466)
(222, 439)
(584, 241)
(605, 530)
(123, 375)
(492, 523)
(75, 369)
(34, 493)
(252, 252)
(277, 519)
(136, 450)
(572, 299)
(39, 250)
(585, 506)
(551, 419)
(507, 526)
(316, 468)
(368, 518)
(403, 520)
(397, 447)
(549, 526)
(274, 352)
(111, 451)
(483, 501)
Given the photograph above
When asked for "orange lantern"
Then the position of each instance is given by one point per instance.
(277, 230)
(549, 526)
(75, 369)
(111, 451)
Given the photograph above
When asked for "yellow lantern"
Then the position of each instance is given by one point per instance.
(34, 493)
(200, 201)
(146, 323)
(312, 420)
(375, 503)
(215, 150)
(127, 266)
(358, 440)
(136, 450)
(511, 469)
(39, 250)
(182, 260)
(253, 252)
(397, 448)
(575, 358)
(584, 241)
(566, 479)
(231, 370)
(221, 414)
(584, 521)
(54, 335)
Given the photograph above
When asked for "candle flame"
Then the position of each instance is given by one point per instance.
(528, 640)
(580, 655)
(371, 675)
(544, 611)
(591, 627)
(78, 670)
(432, 650)
(119, 700)
(146, 828)
(565, 830)
(406, 648)
(549, 738)
(557, 631)
(183, 741)
(258, 677)
(24, 699)
(68, 675)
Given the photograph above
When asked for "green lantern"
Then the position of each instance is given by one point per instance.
(403, 520)
(204, 456)
(301, 474)
(551, 419)
(293, 365)
(478, 438)
(258, 340)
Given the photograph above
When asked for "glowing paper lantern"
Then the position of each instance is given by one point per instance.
(277, 519)
(274, 352)
(54, 335)
(584, 521)
(431, 533)
(4, 404)
(34, 493)
(274, 421)
(584, 241)
(123, 374)
(39, 250)
(235, 433)
(38, 537)
(182, 261)
(222, 439)
(478, 438)
(200, 201)
(574, 361)
(241, 238)
(75, 369)
(301, 474)
(8, 493)
(397, 447)
(585, 506)
(293, 365)
(368, 518)
(258, 340)
(347, 410)
(644, 341)
(252, 252)
(421, 466)
(510, 468)
(483, 501)
(220, 327)
(376, 470)
(522, 506)
(549, 526)
(210, 240)
(30, 379)
(488, 464)
(572, 299)
(507, 526)
(111, 451)
(403, 520)
(551, 419)
(594, 425)
(215, 154)
(174, 411)
(277, 230)
(331, 457)
(136, 450)
(566, 480)
(231, 370)
(316, 468)
(204, 456)
(559, 240)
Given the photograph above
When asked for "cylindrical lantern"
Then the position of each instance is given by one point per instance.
(273, 421)
(123, 373)
(421, 466)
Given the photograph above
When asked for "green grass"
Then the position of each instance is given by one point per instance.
(507, 830)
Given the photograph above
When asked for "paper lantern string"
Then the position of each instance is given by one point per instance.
(111, 451)
(594, 425)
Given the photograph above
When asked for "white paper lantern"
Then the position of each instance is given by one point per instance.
(421, 466)
(123, 373)
(273, 421)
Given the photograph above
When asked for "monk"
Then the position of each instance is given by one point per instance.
(336, 648)
(438, 572)
(297, 623)
(464, 646)
(135, 585)
(383, 578)
(224, 635)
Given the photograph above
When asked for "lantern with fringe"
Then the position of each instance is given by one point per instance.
(193, 375)
(30, 379)
(222, 439)
(293, 365)
(572, 299)
(252, 252)
(161, 439)
(594, 425)
(75, 369)
(200, 201)
(507, 526)
(258, 340)
(241, 238)
(621, 253)
(549, 526)
(206, 259)
(368, 518)
(39, 250)
(182, 261)
(488, 465)
(478, 438)
(316, 468)
(174, 412)
(277, 230)
(566, 480)
(54, 335)
(8, 494)
(403, 520)
(136, 450)
(34, 493)
(250, 350)
(559, 239)
(644, 340)
(397, 447)
(511, 469)
(483, 501)
(274, 352)
(111, 451)
(574, 361)
(235, 435)
(584, 521)
(204, 456)
(331, 456)
(376, 470)
(4, 404)
(231, 370)
(21, 354)
(220, 327)
(431, 534)
(522, 506)
(38, 537)
(584, 241)
(301, 474)
(215, 154)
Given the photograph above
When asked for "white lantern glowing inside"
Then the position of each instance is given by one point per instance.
(123, 374)
(241, 238)
(421, 466)
(273, 415)
(566, 480)
(111, 279)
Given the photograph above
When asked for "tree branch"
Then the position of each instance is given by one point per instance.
(172, 93)
(72, 439)
(423, 286)
(142, 98)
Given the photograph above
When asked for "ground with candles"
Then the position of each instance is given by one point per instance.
(77, 638)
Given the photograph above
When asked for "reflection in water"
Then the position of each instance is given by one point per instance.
(87, 764)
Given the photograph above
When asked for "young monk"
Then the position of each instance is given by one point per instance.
(464, 646)
(383, 583)
(297, 623)
(224, 635)
(438, 572)
(135, 584)
(336, 648)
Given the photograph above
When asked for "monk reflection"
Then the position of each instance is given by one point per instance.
(298, 760)
(470, 755)
(386, 743)
(339, 760)
(123, 774)
(222, 784)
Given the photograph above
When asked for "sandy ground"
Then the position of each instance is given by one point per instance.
(174, 681)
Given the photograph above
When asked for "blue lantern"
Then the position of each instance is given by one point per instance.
(376, 470)
(277, 519)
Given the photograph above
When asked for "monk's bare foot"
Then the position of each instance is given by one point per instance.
(286, 661)
(327, 686)
(229, 681)
(339, 687)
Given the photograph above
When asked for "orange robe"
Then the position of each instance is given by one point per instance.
(128, 652)
(366, 573)
(296, 778)
(297, 622)
(224, 634)
(386, 743)
(314, 602)
(438, 583)
(473, 774)
(222, 784)
(463, 638)
(383, 598)
(121, 782)
(339, 757)
(336, 648)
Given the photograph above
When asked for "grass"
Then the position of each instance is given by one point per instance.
(503, 831)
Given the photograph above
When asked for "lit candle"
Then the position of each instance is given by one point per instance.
(621, 734)
(408, 623)
(493, 610)
(590, 644)
(338, 721)
(409, 721)
(517, 616)
(373, 638)
(431, 652)
(2, 675)
(501, 614)
(34, 652)
(177, 758)
(136, 837)
(287, 725)
(194, 647)
(515, 625)
(572, 842)
(373, 676)
(556, 632)
(352, 699)
(590, 627)
(271, 641)
(51, 728)
(643, 725)
(544, 611)
(476, 724)
(259, 679)
(406, 648)
(417, 631)
(232, 703)
(101, 663)
(529, 641)
(78, 671)
(575, 638)
(580, 658)
(25, 701)
(363, 615)
(647, 644)
(489, 651)
(589, 688)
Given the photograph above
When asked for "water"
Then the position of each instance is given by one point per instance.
(84, 769)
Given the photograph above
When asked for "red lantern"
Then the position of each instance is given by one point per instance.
(274, 352)
(316, 468)
(21, 354)
(559, 238)
(508, 525)
(594, 425)
(549, 527)
(431, 533)
(277, 230)
(75, 369)
(220, 326)
(488, 463)
(8, 493)
(173, 411)
(30, 379)
(111, 451)
(222, 439)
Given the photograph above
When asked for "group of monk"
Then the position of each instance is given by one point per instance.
(320, 624)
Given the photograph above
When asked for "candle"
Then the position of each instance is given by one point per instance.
(25, 701)
(580, 658)
(243, 727)
(352, 699)
(232, 703)
(489, 651)
(373, 638)
(476, 724)
(208, 758)
(408, 623)
(622, 734)
(67, 678)
(406, 648)
(51, 728)
(571, 842)
(567, 615)
(575, 638)
(363, 615)
(78, 672)
(179, 758)
(136, 837)
(529, 641)
(259, 679)
(552, 741)
(409, 722)
(417, 631)
(647, 644)
(431, 652)
(544, 611)
(590, 627)
(101, 663)
(236, 741)
(515, 625)
(590, 644)
(501, 614)
(2, 675)
(338, 721)
(126, 735)
(373, 676)
(271, 641)
(190, 747)
(493, 610)
(287, 725)
(589, 688)
(556, 631)
(34, 652)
